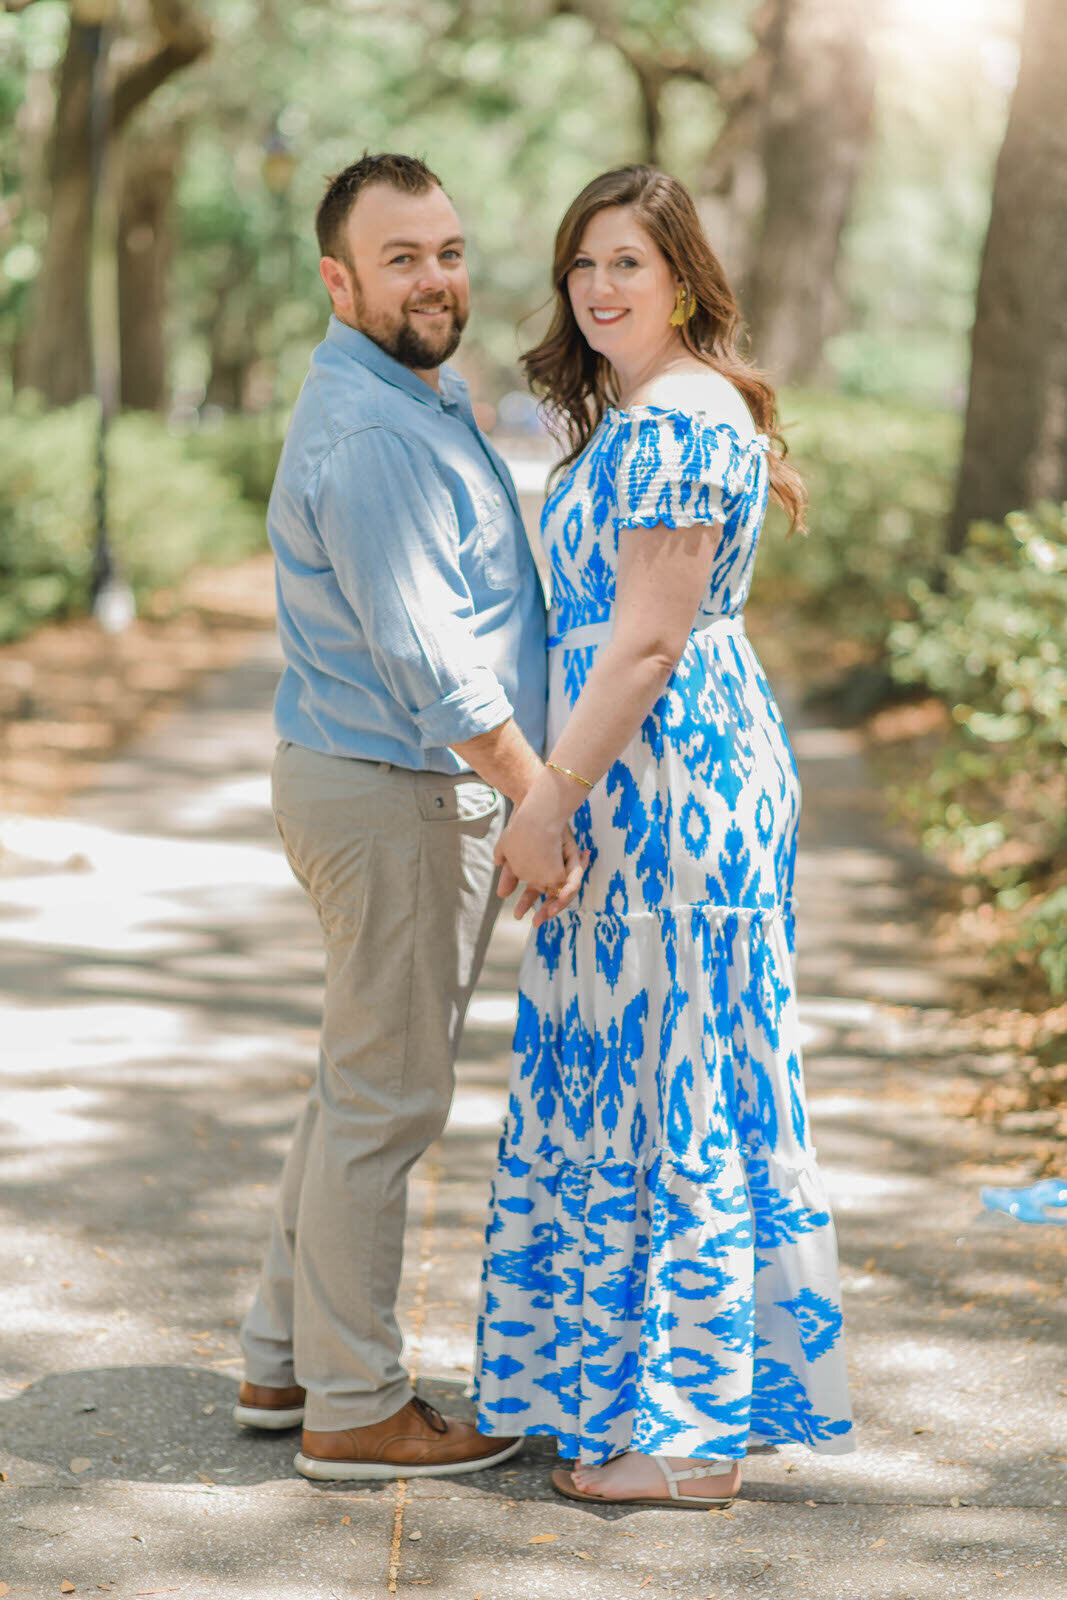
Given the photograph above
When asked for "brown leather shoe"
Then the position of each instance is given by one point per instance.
(416, 1442)
(260, 1407)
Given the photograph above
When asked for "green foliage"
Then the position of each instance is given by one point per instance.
(46, 476)
(1043, 934)
(245, 448)
(168, 511)
(516, 107)
(990, 642)
(879, 477)
(984, 631)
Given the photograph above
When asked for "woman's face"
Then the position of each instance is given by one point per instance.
(622, 289)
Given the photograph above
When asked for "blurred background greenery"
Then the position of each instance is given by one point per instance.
(885, 180)
(516, 106)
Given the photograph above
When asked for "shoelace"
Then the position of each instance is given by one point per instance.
(429, 1414)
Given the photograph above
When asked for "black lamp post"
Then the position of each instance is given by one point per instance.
(279, 163)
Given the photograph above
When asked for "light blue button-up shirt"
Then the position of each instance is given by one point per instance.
(409, 608)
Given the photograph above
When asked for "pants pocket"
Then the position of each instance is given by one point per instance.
(457, 800)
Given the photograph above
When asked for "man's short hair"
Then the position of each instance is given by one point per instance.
(406, 173)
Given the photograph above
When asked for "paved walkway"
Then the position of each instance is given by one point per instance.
(161, 977)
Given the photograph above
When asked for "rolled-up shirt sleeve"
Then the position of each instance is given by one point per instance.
(389, 528)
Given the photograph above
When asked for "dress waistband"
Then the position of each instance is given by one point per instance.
(600, 632)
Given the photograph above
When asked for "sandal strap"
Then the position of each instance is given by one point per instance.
(707, 1469)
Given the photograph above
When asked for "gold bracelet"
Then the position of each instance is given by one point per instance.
(567, 773)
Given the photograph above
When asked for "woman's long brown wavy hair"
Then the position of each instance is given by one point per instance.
(576, 385)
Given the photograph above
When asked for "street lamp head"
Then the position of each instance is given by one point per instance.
(93, 13)
(279, 163)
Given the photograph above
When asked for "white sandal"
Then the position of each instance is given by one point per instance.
(564, 1483)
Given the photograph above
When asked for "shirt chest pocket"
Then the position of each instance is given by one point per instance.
(498, 538)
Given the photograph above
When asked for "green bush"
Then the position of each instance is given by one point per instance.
(990, 642)
(46, 477)
(168, 511)
(245, 448)
(879, 478)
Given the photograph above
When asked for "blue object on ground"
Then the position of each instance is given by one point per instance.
(1038, 1203)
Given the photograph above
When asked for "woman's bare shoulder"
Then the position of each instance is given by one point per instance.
(698, 389)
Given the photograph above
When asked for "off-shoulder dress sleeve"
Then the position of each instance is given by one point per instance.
(676, 468)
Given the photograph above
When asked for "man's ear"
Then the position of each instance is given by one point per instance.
(337, 282)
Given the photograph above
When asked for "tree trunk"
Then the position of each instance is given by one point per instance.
(1015, 441)
(234, 350)
(732, 189)
(59, 362)
(59, 345)
(145, 243)
(819, 112)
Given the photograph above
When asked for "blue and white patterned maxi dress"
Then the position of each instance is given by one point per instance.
(661, 1268)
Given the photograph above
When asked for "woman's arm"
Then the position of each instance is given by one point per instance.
(662, 577)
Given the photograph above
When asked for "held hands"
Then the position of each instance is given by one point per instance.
(539, 849)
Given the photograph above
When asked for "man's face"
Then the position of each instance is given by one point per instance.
(405, 282)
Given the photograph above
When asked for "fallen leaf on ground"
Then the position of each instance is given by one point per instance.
(922, 1430)
(205, 1479)
(346, 1522)
(811, 1502)
(583, 1555)
(80, 1463)
(3, 1589)
(170, 1589)
(66, 1587)
(877, 1545)
(543, 1538)
(415, 1535)
(645, 1584)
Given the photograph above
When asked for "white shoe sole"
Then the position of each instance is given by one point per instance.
(268, 1417)
(354, 1471)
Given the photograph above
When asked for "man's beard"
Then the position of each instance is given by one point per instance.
(408, 345)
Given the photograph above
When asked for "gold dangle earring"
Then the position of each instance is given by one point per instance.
(684, 306)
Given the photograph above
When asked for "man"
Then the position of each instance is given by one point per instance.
(412, 700)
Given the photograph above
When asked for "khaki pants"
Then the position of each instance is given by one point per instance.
(399, 866)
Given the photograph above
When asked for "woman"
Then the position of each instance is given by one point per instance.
(660, 1284)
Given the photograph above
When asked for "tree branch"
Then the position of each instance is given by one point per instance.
(185, 35)
(663, 64)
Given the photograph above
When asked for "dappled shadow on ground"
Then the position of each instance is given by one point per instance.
(162, 1015)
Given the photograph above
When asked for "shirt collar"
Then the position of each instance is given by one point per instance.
(362, 349)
